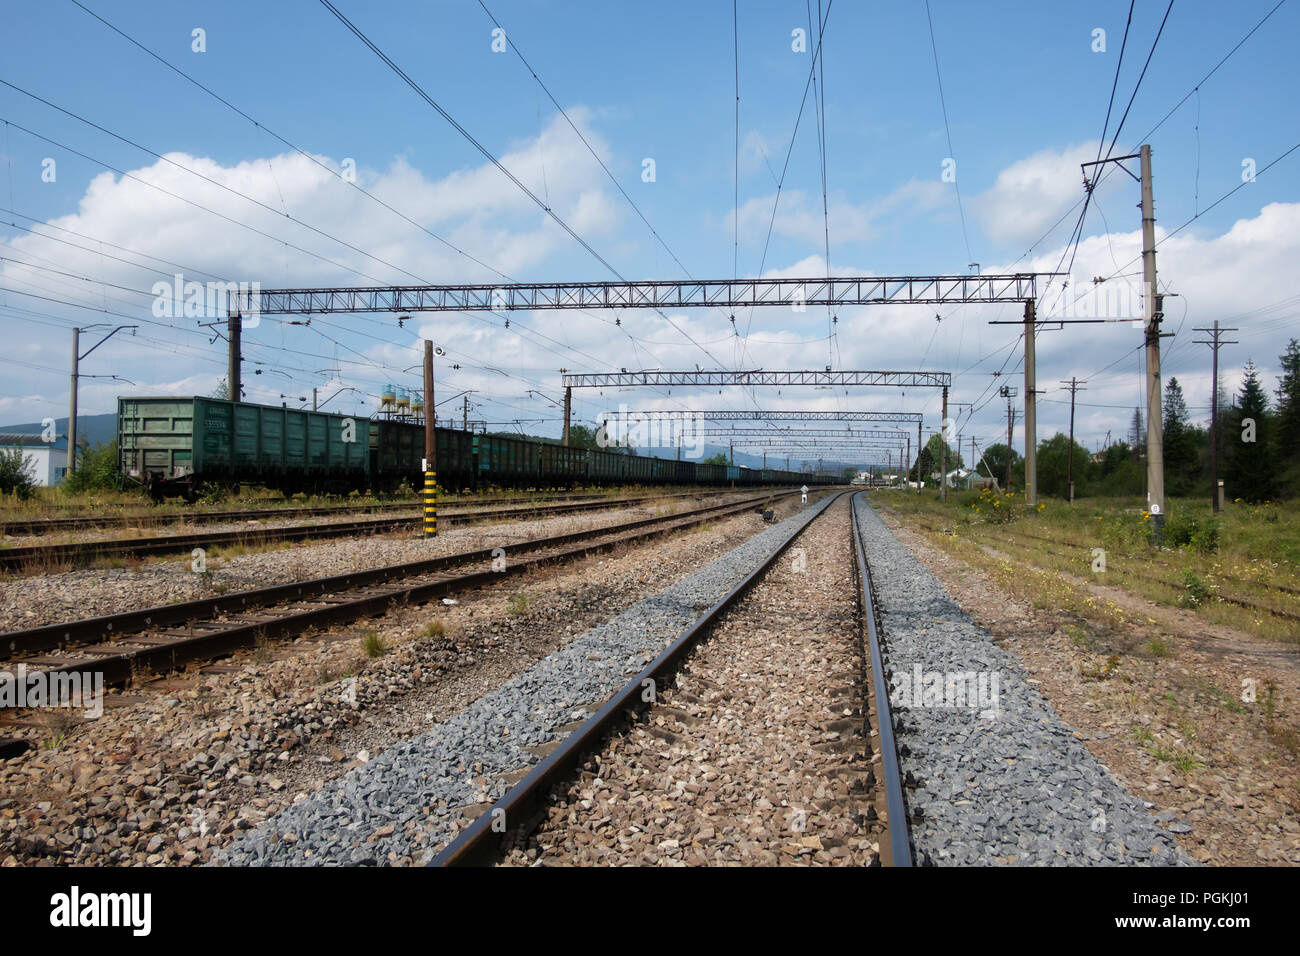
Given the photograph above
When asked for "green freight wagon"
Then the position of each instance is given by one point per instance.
(173, 446)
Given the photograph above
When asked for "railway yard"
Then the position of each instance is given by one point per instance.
(648, 678)
(441, 444)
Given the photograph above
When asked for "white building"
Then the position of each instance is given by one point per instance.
(48, 461)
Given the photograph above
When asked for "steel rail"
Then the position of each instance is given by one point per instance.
(206, 639)
(483, 841)
(41, 526)
(899, 848)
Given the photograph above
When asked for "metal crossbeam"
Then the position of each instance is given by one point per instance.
(787, 433)
(717, 415)
(728, 293)
(758, 377)
(842, 443)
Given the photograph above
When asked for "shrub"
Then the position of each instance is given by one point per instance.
(17, 473)
(97, 471)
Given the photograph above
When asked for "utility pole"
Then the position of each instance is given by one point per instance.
(1153, 304)
(907, 462)
(568, 406)
(72, 404)
(464, 414)
(430, 449)
(77, 356)
(313, 398)
(234, 329)
(1216, 485)
(1031, 411)
(919, 446)
(1155, 312)
(1074, 386)
(1009, 393)
(732, 453)
(943, 449)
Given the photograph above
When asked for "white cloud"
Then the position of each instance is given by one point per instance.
(1032, 193)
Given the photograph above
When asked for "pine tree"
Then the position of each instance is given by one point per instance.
(1249, 470)
(1287, 432)
(1137, 435)
(1182, 463)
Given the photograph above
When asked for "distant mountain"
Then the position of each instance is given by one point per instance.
(92, 429)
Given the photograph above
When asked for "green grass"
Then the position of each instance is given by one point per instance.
(372, 645)
(1256, 548)
(518, 603)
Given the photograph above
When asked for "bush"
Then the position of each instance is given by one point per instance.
(1186, 531)
(17, 473)
(97, 471)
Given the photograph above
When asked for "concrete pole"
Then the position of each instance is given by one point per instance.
(72, 404)
(1216, 500)
(234, 328)
(919, 446)
(1155, 417)
(430, 449)
(568, 407)
(943, 449)
(1010, 450)
(1031, 411)
(313, 399)
(907, 462)
(464, 414)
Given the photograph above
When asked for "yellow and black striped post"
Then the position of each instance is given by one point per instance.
(430, 504)
(430, 449)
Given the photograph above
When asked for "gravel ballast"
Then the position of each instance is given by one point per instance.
(405, 803)
(998, 777)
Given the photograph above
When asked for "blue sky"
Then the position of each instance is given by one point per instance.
(1025, 94)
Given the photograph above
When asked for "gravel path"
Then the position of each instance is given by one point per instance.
(757, 754)
(406, 802)
(999, 777)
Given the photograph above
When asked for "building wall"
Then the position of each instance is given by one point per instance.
(50, 464)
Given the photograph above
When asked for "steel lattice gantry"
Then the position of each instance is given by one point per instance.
(658, 294)
(796, 433)
(715, 415)
(758, 377)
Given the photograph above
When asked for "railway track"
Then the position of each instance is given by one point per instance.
(53, 556)
(84, 522)
(164, 638)
(867, 734)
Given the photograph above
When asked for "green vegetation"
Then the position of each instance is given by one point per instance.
(17, 473)
(96, 471)
(1230, 568)
(518, 603)
(373, 645)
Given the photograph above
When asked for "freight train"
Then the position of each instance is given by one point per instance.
(175, 446)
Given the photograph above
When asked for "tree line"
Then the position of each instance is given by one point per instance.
(1258, 447)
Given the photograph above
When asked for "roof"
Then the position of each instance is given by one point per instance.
(20, 440)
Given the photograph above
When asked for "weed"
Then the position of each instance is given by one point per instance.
(435, 628)
(1158, 647)
(373, 645)
(518, 603)
(1102, 671)
(1195, 591)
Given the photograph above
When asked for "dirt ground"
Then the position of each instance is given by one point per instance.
(1197, 719)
